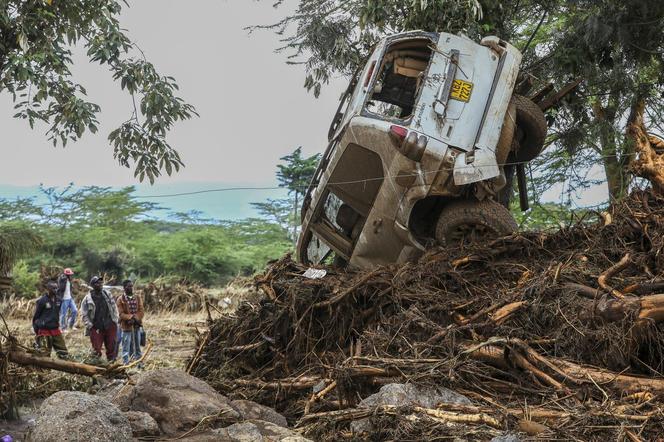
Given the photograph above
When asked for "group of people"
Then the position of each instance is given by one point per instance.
(110, 323)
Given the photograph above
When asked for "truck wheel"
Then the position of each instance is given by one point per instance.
(531, 129)
(467, 221)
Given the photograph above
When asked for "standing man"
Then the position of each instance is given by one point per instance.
(45, 323)
(100, 316)
(68, 303)
(130, 308)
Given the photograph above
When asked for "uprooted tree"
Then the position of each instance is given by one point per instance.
(553, 334)
(36, 41)
(556, 334)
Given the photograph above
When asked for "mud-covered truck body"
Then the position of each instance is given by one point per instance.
(417, 151)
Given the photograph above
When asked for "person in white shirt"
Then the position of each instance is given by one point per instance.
(68, 302)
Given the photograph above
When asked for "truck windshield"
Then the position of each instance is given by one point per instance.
(400, 77)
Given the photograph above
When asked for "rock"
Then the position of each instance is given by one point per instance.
(251, 410)
(108, 389)
(405, 395)
(176, 400)
(142, 424)
(249, 431)
(258, 430)
(409, 394)
(73, 415)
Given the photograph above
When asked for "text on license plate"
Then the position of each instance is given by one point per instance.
(461, 90)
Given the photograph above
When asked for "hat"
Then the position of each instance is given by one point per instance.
(68, 271)
(94, 280)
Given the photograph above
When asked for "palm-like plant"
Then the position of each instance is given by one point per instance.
(15, 241)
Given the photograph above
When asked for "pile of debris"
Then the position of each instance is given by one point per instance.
(555, 334)
(163, 295)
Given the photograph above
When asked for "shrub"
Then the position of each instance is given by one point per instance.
(25, 282)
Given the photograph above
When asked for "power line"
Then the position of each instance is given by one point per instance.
(338, 183)
(196, 192)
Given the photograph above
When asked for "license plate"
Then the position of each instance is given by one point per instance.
(461, 90)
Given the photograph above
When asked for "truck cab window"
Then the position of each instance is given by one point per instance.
(399, 79)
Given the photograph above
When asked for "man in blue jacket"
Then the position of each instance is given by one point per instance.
(46, 323)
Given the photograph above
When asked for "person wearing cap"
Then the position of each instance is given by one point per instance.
(130, 308)
(68, 303)
(46, 325)
(100, 316)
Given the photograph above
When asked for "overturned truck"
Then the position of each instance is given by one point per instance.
(422, 150)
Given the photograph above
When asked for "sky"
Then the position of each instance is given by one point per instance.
(252, 105)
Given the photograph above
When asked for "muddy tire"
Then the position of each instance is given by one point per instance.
(465, 222)
(531, 129)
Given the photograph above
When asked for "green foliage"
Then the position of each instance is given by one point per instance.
(279, 211)
(294, 173)
(198, 254)
(103, 231)
(19, 209)
(25, 282)
(331, 36)
(542, 216)
(36, 38)
(210, 254)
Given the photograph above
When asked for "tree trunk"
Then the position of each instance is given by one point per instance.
(295, 220)
(23, 358)
(643, 309)
(616, 176)
(649, 163)
(567, 372)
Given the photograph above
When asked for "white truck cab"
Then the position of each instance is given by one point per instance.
(422, 134)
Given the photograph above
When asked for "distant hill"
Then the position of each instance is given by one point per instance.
(226, 205)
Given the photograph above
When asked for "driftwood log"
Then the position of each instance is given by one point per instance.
(27, 359)
(567, 372)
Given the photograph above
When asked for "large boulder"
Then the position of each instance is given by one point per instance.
(176, 400)
(406, 395)
(248, 431)
(73, 415)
